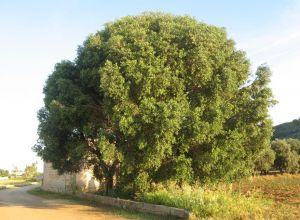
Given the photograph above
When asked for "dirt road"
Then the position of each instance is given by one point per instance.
(17, 204)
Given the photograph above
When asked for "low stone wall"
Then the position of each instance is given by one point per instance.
(136, 206)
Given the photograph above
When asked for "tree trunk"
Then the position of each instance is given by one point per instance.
(109, 184)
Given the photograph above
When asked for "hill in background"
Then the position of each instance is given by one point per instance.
(287, 130)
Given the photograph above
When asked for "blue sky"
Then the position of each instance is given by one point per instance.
(34, 35)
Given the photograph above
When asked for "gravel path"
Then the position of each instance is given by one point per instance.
(17, 204)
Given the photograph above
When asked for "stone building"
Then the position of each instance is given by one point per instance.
(82, 181)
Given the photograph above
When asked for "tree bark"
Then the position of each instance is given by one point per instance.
(109, 184)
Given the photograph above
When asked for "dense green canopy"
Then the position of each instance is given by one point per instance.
(287, 155)
(156, 97)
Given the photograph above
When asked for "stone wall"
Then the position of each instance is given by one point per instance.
(82, 181)
(137, 206)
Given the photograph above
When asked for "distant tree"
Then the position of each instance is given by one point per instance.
(265, 161)
(15, 171)
(295, 144)
(30, 171)
(156, 97)
(4, 173)
(287, 159)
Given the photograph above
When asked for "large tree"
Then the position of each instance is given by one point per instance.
(156, 97)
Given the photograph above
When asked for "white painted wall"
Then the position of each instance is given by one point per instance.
(82, 181)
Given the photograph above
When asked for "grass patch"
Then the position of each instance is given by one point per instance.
(16, 182)
(207, 203)
(108, 209)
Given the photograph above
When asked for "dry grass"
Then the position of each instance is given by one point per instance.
(284, 190)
